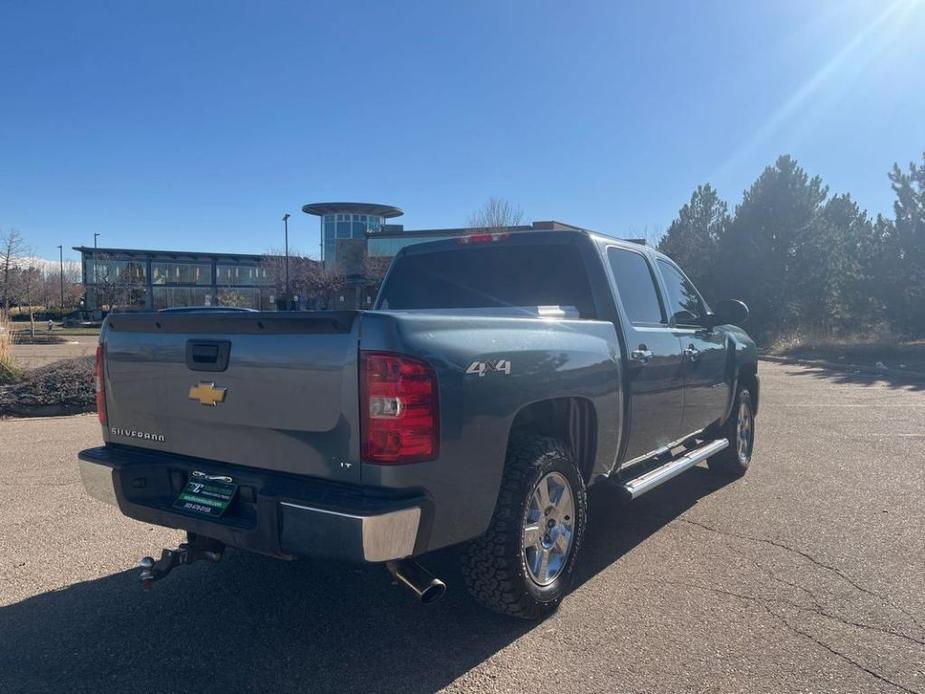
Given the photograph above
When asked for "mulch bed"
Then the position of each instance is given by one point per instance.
(24, 338)
(63, 388)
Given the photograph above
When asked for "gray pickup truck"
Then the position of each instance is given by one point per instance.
(497, 377)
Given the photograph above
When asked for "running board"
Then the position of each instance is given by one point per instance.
(640, 485)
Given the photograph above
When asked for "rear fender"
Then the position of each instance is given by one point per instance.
(542, 360)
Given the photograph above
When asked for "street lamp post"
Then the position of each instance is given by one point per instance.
(61, 275)
(96, 294)
(286, 227)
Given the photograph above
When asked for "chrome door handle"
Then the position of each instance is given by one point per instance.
(691, 352)
(641, 354)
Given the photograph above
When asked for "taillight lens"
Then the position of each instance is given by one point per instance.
(100, 386)
(483, 237)
(398, 408)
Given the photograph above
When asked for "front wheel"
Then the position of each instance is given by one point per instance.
(523, 565)
(739, 429)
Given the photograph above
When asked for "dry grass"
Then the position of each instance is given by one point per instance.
(872, 350)
(9, 369)
(784, 343)
(807, 339)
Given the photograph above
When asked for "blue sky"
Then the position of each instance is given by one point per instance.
(196, 125)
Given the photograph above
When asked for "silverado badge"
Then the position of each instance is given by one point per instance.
(207, 394)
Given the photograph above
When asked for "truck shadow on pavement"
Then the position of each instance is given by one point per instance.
(841, 376)
(258, 624)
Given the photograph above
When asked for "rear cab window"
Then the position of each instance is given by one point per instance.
(490, 276)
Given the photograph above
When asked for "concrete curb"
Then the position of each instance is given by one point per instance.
(913, 376)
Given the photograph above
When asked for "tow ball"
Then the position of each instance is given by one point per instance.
(197, 548)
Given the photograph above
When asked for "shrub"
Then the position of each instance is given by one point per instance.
(9, 369)
(68, 384)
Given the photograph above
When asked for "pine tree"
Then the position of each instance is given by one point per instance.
(805, 262)
(760, 252)
(906, 248)
(829, 272)
(693, 238)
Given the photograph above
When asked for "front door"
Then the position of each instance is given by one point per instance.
(706, 391)
(707, 378)
(655, 377)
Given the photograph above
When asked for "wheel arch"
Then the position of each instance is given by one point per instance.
(747, 376)
(571, 419)
(743, 374)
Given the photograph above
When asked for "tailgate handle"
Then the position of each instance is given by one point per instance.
(207, 355)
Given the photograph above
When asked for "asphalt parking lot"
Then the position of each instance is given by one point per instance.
(34, 356)
(805, 576)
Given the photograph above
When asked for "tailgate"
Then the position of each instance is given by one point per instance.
(274, 391)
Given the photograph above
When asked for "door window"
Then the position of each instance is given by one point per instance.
(684, 302)
(636, 286)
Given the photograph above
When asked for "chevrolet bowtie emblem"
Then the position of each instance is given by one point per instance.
(207, 394)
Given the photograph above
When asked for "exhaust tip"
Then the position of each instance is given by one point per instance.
(433, 592)
(427, 587)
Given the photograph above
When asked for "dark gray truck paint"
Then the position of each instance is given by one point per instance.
(292, 406)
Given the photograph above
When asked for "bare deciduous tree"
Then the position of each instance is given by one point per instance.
(32, 279)
(307, 277)
(374, 269)
(53, 282)
(651, 235)
(326, 286)
(12, 250)
(273, 263)
(496, 214)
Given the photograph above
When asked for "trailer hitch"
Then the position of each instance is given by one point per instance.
(197, 548)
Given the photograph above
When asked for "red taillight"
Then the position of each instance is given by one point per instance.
(398, 409)
(100, 386)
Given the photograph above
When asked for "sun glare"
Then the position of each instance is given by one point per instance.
(835, 76)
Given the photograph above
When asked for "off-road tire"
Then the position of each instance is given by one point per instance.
(494, 565)
(733, 461)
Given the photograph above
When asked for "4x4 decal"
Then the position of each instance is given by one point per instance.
(483, 367)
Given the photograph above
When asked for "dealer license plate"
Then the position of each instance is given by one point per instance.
(206, 495)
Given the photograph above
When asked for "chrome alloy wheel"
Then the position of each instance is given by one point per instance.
(745, 430)
(548, 528)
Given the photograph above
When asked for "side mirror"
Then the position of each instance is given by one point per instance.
(684, 317)
(729, 312)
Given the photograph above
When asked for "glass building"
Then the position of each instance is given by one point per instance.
(356, 239)
(348, 221)
(126, 278)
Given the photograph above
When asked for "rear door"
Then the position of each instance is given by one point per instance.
(654, 362)
(706, 381)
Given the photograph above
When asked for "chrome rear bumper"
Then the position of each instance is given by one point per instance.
(382, 537)
(97, 480)
(275, 517)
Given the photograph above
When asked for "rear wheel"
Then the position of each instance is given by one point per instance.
(523, 565)
(739, 429)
